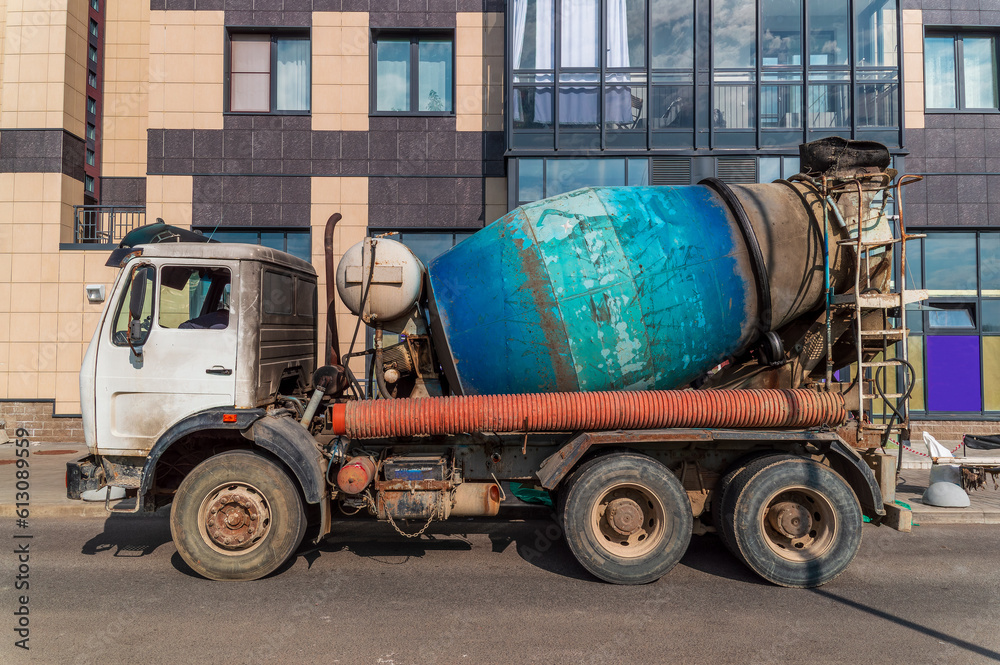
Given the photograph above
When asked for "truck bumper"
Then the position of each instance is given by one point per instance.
(84, 474)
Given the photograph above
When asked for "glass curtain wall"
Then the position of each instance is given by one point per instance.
(954, 342)
(562, 86)
(773, 73)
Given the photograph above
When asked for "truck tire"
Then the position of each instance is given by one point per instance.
(793, 521)
(626, 518)
(237, 516)
(723, 499)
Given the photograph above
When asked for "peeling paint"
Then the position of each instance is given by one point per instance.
(603, 288)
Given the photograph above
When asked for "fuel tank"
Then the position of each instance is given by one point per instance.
(628, 288)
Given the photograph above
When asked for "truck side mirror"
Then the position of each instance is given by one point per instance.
(135, 332)
(138, 296)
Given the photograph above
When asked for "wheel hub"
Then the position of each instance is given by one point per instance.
(790, 519)
(234, 518)
(624, 516)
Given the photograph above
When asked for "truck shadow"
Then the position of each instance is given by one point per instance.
(707, 554)
(538, 542)
(129, 536)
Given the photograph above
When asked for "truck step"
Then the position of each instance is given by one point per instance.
(872, 427)
(893, 362)
(865, 244)
(881, 300)
(892, 332)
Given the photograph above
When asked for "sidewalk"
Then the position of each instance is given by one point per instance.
(47, 491)
(984, 505)
(47, 481)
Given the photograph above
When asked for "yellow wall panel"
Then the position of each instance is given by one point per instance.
(915, 355)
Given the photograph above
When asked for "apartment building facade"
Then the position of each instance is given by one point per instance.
(255, 120)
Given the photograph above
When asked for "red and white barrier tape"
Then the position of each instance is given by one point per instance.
(917, 452)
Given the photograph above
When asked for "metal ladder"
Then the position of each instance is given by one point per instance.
(891, 330)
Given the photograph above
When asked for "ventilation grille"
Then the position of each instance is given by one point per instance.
(737, 170)
(671, 171)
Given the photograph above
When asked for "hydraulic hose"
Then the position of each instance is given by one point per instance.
(562, 412)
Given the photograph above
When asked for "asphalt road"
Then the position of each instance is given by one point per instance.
(115, 591)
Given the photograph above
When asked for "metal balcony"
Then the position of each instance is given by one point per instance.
(105, 225)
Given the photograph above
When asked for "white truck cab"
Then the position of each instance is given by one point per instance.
(190, 327)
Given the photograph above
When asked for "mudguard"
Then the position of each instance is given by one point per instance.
(292, 444)
(207, 419)
(848, 463)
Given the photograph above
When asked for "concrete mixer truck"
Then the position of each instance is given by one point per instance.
(656, 361)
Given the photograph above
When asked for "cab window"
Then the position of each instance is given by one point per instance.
(120, 334)
(194, 298)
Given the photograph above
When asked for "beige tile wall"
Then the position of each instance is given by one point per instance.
(479, 71)
(3, 40)
(340, 71)
(126, 88)
(913, 68)
(44, 65)
(186, 66)
(45, 319)
(169, 197)
(349, 197)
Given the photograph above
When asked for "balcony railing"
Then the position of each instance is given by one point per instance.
(105, 224)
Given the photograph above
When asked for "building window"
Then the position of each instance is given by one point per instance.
(90, 157)
(593, 74)
(93, 27)
(960, 71)
(95, 6)
(92, 79)
(954, 342)
(542, 178)
(269, 73)
(93, 53)
(91, 105)
(91, 131)
(296, 243)
(88, 184)
(413, 72)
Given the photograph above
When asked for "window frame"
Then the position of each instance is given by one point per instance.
(275, 34)
(213, 286)
(958, 34)
(923, 330)
(415, 35)
(868, 94)
(304, 232)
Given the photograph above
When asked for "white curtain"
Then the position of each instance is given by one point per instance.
(544, 40)
(579, 104)
(393, 71)
(293, 75)
(618, 99)
(434, 93)
(520, 23)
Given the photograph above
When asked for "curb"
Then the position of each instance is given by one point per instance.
(79, 509)
(937, 517)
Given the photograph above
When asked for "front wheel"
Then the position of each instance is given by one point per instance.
(793, 521)
(626, 518)
(237, 516)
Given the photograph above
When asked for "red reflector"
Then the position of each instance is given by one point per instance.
(229, 417)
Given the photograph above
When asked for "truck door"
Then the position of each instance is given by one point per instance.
(179, 359)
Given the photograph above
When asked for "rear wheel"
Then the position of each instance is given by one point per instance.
(723, 500)
(794, 522)
(626, 517)
(237, 516)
